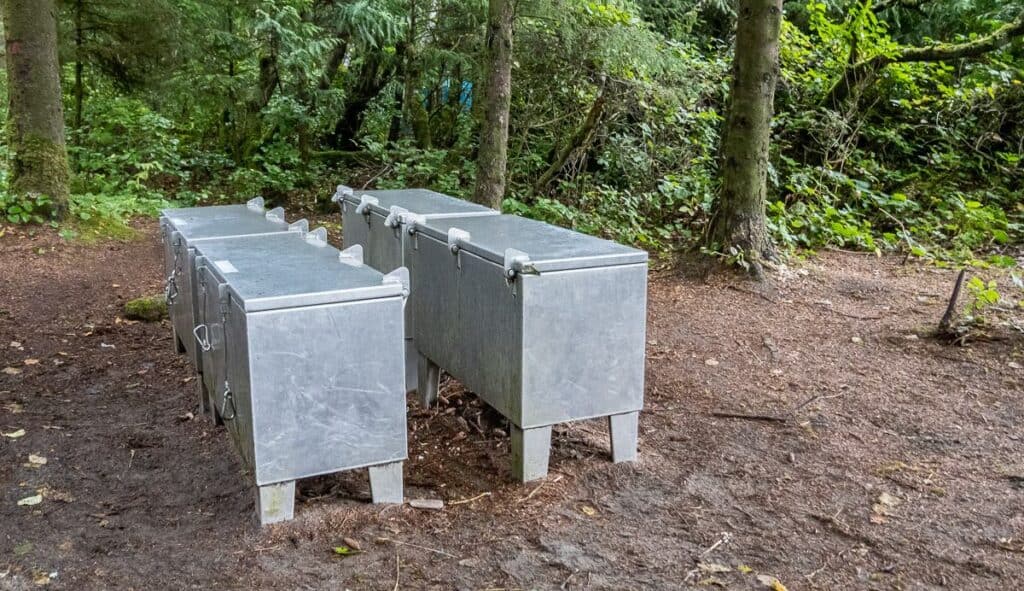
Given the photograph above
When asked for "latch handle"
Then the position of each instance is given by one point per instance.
(352, 255)
(317, 237)
(457, 239)
(401, 277)
(341, 192)
(412, 221)
(395, 215)
(518, 262)
(365, 202)
(204, 341)
(276, 214)
(228, 397)
(299, 226)
(171, 290)
(255, 204)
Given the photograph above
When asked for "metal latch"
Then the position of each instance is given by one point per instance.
(395, 216)
(276, 214)
(204, 341)
(412, 221)
(317, 237)
(341, 192)
(401, 277)
(255, 204)
(518, 262)
(352, 255)
(299, 226)
(171, 291)
(456, 239)
(365, 202)
(228, 398)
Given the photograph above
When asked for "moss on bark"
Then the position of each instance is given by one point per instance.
(41, 166)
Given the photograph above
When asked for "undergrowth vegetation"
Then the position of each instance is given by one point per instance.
(616, 114)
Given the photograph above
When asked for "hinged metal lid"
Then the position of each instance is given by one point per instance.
(216, 221)
(416, 201)
(291, 269)
(528, 246)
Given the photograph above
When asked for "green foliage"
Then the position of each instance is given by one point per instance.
(24, 208)
(196, 102)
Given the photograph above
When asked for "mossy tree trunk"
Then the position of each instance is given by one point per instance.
(492, 156)
(739, 219)
(35, 125)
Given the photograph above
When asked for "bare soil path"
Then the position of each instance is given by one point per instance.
(896, 462)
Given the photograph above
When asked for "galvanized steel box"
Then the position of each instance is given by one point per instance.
(303, 355)
(545, 324)
(377, 221)
(181, 228)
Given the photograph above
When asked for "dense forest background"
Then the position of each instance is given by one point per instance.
(616, 113)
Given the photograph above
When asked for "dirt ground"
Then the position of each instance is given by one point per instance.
(884, 460)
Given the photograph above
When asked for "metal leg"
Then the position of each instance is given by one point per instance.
(275, 502)
(205, 406)
(386, 483)
(530, 451)
(623, 430)
(179, 347)
(411, 366)
(429, 376)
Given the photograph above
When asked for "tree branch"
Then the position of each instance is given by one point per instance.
(859, 75)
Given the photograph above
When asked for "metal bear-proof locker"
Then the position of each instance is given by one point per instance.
(303, 353)
(180, 230)
(376, 220)
(545, 324)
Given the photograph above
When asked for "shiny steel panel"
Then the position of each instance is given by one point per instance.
(539, 348)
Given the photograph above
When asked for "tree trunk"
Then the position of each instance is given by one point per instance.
(39, 158)
(412, 71)
(373, 76)
(580, 141)
(739, 220)
(492, 156)
(79, 67)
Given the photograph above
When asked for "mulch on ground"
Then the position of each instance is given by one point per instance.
(808, 430)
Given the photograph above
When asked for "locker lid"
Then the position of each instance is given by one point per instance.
(422, 202)
(292, 269)
(215, 221)
(528, 245)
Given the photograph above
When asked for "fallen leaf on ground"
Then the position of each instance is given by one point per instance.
(23, 548)
(588, 510)
(711, 362)
(14, 434)
(16, 345)
(354, 544)
(771, 582)
(31, 361)
(29, 501)
(712, 567)
(345, 551)
(744, 569)
(56, 495)
(429, 504)
(36, 460)
(12, 371)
